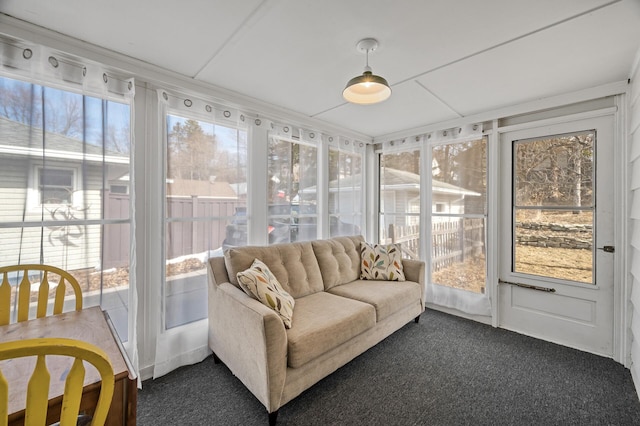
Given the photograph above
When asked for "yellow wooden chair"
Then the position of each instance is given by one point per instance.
(37, 394)
(23, 290)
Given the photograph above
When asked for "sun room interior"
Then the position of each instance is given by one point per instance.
(506, 156)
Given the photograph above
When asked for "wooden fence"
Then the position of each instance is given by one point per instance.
(407, 236)
(183, 237)
(453, 240)
(196, 236)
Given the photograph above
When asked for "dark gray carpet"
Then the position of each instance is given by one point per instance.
(443, 371)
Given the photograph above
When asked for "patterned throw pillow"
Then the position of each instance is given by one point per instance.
(381, 262)
(260, 283)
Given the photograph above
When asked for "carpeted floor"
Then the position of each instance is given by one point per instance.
(443, 371)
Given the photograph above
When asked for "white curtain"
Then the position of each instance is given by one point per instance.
(346, 186)
(218, 162)
(204, 169)
(67, 183)
(437, 211)
(457, 198)
(322, 176)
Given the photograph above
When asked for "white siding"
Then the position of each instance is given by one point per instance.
(68, 247)
(634, 126)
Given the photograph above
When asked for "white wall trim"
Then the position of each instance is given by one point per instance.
(559, 119)
(635, 67)
(605, 90)
(372, 185)
(478, 318)
(633, 121)
(493, 219)
(621, 320)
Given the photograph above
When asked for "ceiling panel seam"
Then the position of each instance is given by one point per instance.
(438, 98)
(480, 52)
(328, 109)
(506, 42)
(235, 32)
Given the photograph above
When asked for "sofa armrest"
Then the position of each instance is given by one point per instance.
(414, 271)
(250, 339)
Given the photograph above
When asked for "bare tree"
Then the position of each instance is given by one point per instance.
(554, 171)
(408, 161)
(21, 102)
(66, 117)
(118, 139)
(191, 151)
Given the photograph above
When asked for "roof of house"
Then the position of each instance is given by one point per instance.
(21, 139)
(200, 188)
(395, 179)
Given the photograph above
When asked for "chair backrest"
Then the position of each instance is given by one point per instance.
(37, 393)
(22, 291)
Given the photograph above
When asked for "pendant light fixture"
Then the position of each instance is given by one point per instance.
(367, 88)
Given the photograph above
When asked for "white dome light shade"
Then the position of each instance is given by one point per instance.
(366, 89)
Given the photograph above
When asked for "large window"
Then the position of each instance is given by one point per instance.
(291, 191)
(400, 201)
(458, 215)
(58, 152)
(206, 198)
(345, 193)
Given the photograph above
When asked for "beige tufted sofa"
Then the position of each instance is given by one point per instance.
(336, 316)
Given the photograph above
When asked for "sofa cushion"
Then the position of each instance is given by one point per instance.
(387, 297)
(259, 283)
(323, 321)
(339, 259)
(381, 262)
(293, 264)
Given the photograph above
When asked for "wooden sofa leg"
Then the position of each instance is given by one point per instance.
(417, 319)
(216, 360)
(273, 417)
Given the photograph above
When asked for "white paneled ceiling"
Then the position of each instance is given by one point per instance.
(444, 59)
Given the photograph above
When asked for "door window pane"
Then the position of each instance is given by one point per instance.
(553, 206)
(459, 197)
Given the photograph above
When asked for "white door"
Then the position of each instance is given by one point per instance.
(557, 233)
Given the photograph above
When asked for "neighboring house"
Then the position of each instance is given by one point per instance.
(399, 194)
(200, 188)
(240, 189)
(53, 178)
